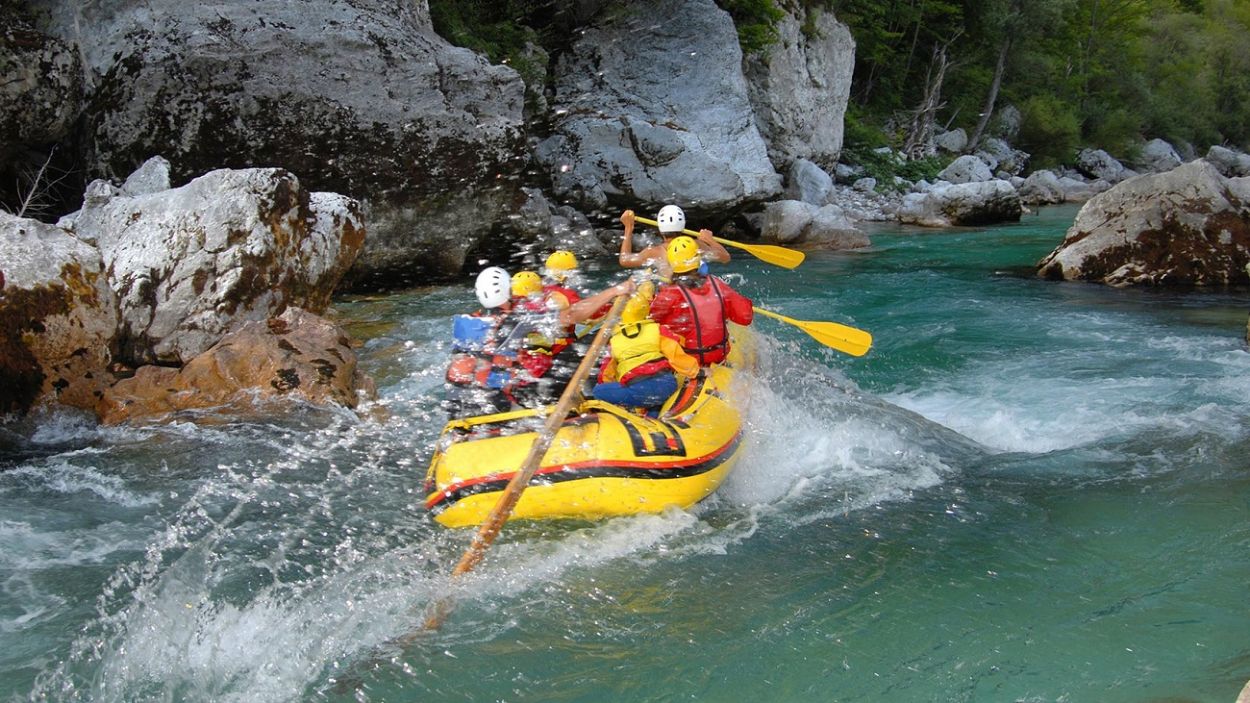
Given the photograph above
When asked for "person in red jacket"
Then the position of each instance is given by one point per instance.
(698, 307)
(645, 359)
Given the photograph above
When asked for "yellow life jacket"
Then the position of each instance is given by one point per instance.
(634, 345)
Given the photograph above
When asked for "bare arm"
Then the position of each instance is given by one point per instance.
(713, 251)
(587, 307)
(627, 257)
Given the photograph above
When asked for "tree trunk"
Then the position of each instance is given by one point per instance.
(919, 142)
(992, 96)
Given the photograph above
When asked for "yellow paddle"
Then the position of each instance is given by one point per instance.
(489, 529)
(778, 256)
(845, 339)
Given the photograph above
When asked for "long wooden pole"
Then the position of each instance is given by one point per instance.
(489, 529)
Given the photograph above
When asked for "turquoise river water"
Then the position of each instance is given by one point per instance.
(1027, 491)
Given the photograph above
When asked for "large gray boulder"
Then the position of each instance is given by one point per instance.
(1188, 226)
(966, 169)
(809, 183)
(1042, 188)
(359, 97)
(984, 203)
(1098, 164)
(799, 86)
(58, 318)
(651, 107)
(793, 222)
(191, 263)
(40, 85)
(1158, 156)
(1232, 164)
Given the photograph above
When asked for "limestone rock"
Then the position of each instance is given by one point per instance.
(40, 85)
(627, 134)
(1158, 156)
(1098, 164)
(952, 142)
(793, 222)
(1187, 226)
(966, 169)
(982, 203)
(809, 183)
(190, 263)
(57, 318)
(359, 97)
(799, 87)
(1231, 164)
(1042, 188)
(296, 355)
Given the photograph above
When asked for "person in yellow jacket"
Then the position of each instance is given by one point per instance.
(645, 360)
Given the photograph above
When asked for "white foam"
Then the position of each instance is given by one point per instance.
(60, 476)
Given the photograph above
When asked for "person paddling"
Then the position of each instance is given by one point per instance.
(698, 307)
(671, 220)
(645, 358)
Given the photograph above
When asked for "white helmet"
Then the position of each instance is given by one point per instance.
(493, 287)
(671, 219)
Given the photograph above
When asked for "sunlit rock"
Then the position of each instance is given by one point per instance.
(793, 222)
(800, 84)
(1042, 188)
(966, 169)
(295, 356)
(650, 108)
(1158, 156)
(57, 318)
(944, 205)
(809, 183)
(190, 263)
(358, 97)
(1188, 226)
(1098, 164)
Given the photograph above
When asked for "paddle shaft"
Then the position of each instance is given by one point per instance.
(778, 256)
(494, 522)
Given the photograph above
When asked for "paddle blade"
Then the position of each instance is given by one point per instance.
(853, 341)
(769, 253)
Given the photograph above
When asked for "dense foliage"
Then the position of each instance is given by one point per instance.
(1103, 73)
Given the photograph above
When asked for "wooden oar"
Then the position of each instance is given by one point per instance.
(852, 341)
(778, 256)
(489, 529)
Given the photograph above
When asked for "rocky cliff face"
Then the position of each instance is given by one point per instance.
(651, 107)
(358, 96)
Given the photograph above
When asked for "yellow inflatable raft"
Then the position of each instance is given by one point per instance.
(604, 461)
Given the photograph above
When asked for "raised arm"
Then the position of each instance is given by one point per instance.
(627, 257)
(712, 249)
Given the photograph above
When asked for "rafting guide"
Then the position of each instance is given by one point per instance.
(670, 221)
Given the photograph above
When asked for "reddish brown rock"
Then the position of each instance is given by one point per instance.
(295, 356)
(1188, 226)
(57, 318)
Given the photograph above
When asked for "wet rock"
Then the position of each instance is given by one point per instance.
(295, 356)
(359, 97)
(627, 134)
(57, 318)
(799, 86)
(982, 203)
(1188, 226)
(190, 263)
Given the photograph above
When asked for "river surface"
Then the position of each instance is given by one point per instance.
(1027, 491)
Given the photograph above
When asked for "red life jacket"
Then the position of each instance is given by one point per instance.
(698, 316)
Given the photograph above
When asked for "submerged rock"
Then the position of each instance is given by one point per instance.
(1189, 226)
(295, 355)
(626, 134)
(189, 264)
(58, 318)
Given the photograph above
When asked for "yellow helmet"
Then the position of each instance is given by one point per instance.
(638, 307)
(561, 260)
(683, 255)
(525, 283)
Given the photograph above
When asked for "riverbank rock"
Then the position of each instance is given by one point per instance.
(627, 134)
(966, 169)
(1158, 156)
(1042, 188)
(1099, 165)
(1189, 226)
(357, 96)
(799, 87)
(58, 318)
(1231, 164)
(190, 263)
(296, 355)
(945, 205)
(792, 222)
